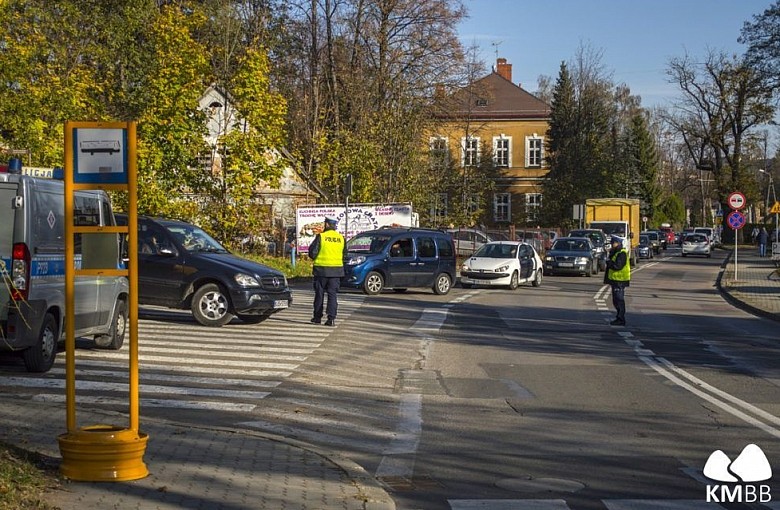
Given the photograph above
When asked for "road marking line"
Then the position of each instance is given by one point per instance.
(652, 363)
(151, 402)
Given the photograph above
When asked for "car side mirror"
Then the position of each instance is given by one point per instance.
(166, 252)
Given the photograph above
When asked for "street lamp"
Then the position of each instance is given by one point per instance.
(771, 186)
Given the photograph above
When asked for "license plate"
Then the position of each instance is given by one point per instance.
(281, 304)
(565, 264)
(482, 282)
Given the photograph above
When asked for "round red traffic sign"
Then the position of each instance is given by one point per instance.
(736, 200)
(736, 220)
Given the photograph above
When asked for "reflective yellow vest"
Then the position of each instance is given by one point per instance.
(331, 250)
(623, 275)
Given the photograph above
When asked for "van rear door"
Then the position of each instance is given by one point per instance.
(7, 213)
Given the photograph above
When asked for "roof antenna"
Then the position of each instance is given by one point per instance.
(495, 45)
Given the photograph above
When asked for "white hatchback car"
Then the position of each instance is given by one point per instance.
(503, 263)
(696, 244)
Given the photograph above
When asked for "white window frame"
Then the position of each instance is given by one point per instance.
(533, 203)
(469, 145)
(534, 156)
(498, 150)
(472, 203)
(439, 209)
(439, 147)
(502, 207)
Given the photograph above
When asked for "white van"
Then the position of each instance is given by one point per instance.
(32, 267)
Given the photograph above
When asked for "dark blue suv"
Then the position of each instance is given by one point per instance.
(400, 258)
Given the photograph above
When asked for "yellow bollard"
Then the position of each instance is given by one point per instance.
(103, 453)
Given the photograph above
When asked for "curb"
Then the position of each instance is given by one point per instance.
(738, 303)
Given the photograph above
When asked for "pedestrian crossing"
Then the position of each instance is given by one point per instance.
(186, 366)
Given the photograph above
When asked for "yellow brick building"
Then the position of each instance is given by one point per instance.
(497, 117)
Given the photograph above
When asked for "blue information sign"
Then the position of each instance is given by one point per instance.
(736, 220)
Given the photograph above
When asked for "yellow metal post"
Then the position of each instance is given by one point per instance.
(70, 328)
(102, 452)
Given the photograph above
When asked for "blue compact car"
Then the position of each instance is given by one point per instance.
(400, 258)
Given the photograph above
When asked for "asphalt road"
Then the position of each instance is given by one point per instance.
(483, 398)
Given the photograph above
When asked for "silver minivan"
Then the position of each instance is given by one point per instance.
(32, 266)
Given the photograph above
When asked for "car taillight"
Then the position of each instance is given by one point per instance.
(20, 272)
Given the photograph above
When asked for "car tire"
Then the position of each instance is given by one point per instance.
(595, 268)
(537, 282)
(40, 357)
(373, 284)
(252, 319)
(514, 281)
(116, 334)
(211, 306)
(442, 284)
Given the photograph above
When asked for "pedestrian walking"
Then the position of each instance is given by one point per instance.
(763, 238)
(754, 235)
(618, 276)
(328, 251)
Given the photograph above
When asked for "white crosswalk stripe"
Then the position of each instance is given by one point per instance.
(186, 366)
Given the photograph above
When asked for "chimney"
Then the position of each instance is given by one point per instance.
(503, 69)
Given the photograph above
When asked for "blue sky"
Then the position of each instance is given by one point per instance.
(636, 37)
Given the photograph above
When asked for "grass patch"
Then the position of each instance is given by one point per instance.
(24, 479)
(302, 269)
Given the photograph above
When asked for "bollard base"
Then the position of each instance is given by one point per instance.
(103, 453)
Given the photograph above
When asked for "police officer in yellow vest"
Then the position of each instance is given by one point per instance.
(328, 251)
(618, 276)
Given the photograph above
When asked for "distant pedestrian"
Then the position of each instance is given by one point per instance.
(618, 276)
(763, 238)
(328, 251)
(754, 235)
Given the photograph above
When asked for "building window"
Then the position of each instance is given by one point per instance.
(534, 151)
(439, 208)
(533, 201)
(470, 152)
(439, 152)
(502, 207)
(472, 203)
(502, 151)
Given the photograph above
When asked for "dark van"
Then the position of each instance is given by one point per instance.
(400, 258)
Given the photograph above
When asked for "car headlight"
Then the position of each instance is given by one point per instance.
(548, 258)
(465, 267)
(245, 280)
(354, 261)
(582, 260)
(502, 269)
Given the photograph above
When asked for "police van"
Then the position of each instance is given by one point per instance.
(32, 270)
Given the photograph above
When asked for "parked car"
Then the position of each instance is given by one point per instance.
(181, 266)
(468, 240)
(697, 244)
(400, 258)
(711, 233)
(600, 243)
(645, 249)
(503, 263)
(571, 255)
(655, 240)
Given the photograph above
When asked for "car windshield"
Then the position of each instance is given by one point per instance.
(372, 243)
(644, 240)
(497, 251)
(695, 238)
(193, 239)
(571, 245)
(594, 237)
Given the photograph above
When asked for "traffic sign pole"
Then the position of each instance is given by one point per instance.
(736, 221)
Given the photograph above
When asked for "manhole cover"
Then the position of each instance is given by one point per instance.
(530, 484)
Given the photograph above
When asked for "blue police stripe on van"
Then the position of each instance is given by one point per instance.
(47, 266)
